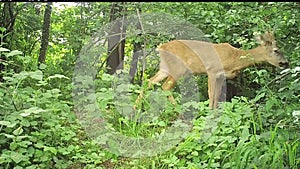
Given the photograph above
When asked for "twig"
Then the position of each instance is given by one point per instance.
(144, 53)
(277, 78)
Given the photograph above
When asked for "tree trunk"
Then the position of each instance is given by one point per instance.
(7, 17)
(116, 40)
(137, 53)
(45, 33)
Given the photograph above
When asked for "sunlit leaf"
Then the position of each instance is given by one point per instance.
(161, 123)
(22, 75)
(14, 52)
(7, 124)
(51, 149)
(9, 135)
(285, 70)
(58, 76)
(296, 69)
(31, 110)
(38, 75)
(17, 157)
(4, 50)
(42, 66)
(18, 131)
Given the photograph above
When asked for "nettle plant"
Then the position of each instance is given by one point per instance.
(35, 124)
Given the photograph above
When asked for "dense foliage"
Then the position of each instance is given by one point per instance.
(259, 128)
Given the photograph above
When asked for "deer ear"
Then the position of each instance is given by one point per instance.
(260, 39)
(266, 39)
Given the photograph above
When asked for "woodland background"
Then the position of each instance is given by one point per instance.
(41, 42)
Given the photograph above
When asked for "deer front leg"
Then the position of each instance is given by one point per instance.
(215, 84)
(159, 76)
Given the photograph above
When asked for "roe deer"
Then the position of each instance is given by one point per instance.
(218, 61)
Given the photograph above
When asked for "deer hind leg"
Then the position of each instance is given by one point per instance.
(159, 76)
(215, 84)
(168, 85)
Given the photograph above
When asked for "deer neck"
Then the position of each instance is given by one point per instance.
(253, 56)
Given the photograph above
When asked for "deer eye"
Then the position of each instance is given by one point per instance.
(276, 51)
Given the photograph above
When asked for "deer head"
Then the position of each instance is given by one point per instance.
(275, 56)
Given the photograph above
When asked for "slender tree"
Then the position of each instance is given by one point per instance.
(137, 52)
(45, 33)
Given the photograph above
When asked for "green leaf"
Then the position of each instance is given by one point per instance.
(25, 144)
(258, 97)
(13, 145)
(245, 134)
(31, 167)
(9, 135)
(18, 131)
(285, 71)
(4, 50)
(58, 76)
(297, 69)
(35, 110)
(22, 137)
(226, 120)
(296, 113)
(107, 77)
(13, 53)
(38, 75)
(70, 148)
(270, 103)
(161, 123)
(17, 157)
(8, 79)
(42, 66)
(195, 153)
(51, 149)
(39, 145)
(2, 29)
(7, 124)
(22, 75)
(63, 151)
